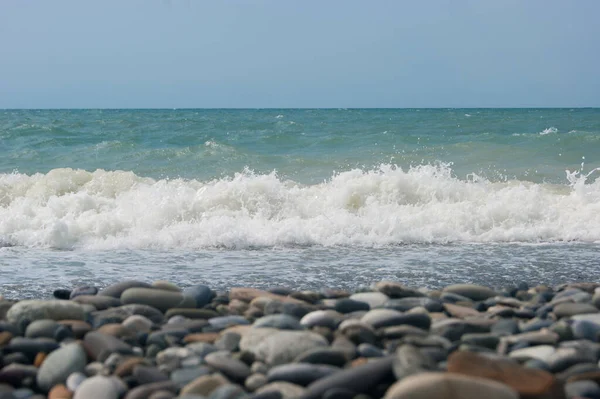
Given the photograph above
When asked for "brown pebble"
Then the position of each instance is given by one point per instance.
(60, 392)
(528, 382)
(461, 312)
(39, 359)
(117, 330)
(79, 327)
(359, 361)
(208, 338)
(5, 337)
(126, 367)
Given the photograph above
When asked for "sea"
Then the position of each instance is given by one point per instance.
(301, 198)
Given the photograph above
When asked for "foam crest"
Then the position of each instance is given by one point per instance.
(68, 208)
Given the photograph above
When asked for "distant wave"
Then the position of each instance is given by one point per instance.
(550, 130)
(68, 208)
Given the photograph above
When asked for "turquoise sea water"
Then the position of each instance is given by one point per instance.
(305, 198)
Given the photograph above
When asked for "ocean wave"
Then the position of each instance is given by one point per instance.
(72, 209)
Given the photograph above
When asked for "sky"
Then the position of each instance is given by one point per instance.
(299, 54)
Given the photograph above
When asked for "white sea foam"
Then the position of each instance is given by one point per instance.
(550, 130)
(68, 208)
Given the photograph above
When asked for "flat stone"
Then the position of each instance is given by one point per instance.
(204, 385)
(209, 337)
(471, 291)
(300, 373)
(83, 290)
(223, 322)
(539, 352)
(568, 309)
(347, 305)
(99, 345)
(369, 350)
(248, 294)
(138, 323)
(119, 314)
(100, 302)
(359, 379)
(460, 312)
(44, 328)
(31, 310)
(146, 390)
(526, 381)
(97, 387)
(485, 340)
(448, 386)
(322, 355)
(30, 347)
(279, 321)
(232, 368)
(374, 299)
(406, 304)
(60, 364)
(379, 318)
(583, 329)
(229, 391)
(322, 318)
(285, 389)
(254, 336)
(284, 346)
(117, 289)
(160, 299)
(191, 313)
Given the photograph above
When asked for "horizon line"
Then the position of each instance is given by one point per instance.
(276, 108)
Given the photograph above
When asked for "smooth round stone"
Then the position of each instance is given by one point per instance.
(74, 380)
(138, 323)
(230, 367)
(201, 348)
(448, 386)
(60, 364)
(119, 314)
(471, 291)
(146, 390)
(374, 299)
(347, 305)
(184, 376)
(360, 379)
(300, 373)
(221, 323)
(569, 309)
(293, 309)
(117, 289)
(165, 285)
(368, 350)
(31, 310)
(159, 299)
(204, 385)
(44, 328)
(202, 294)
(98, 387)
(539, 352)
(279, 321)
(322, 318)
(379, 318)
(582, 389)
(229, 391)
(406, 304)
(449, 297)
(286, 389)
(583, 329)
(284, 346)
(485, 340)
(84, 290)
(255, 381)
(30, 347)
(322, 355)
(99, 346)
(99, 302)
(147, 374)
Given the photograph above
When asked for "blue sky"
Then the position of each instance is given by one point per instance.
(279, 53)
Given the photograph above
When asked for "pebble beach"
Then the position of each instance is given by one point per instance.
(137, 340)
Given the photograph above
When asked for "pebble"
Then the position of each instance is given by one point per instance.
(448, 386)
(60, 364)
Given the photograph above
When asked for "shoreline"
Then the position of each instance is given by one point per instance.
(137, 340)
